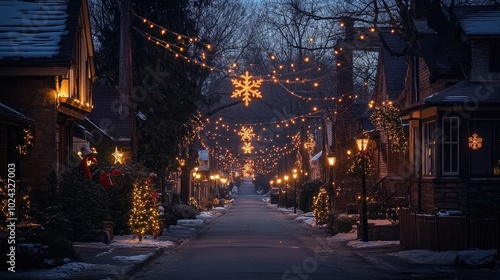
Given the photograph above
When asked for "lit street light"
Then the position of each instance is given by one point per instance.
(286, 190)
(294, 191)
(331, 163)
(362, 143)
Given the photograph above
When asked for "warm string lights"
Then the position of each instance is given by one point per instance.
(185, 40)
(388, 119)
(192, 50)
(26, 142)
(179, 49)
(144, 215)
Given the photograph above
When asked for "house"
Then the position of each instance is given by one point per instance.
(453, 111)
(13, 125)
(46, 72)
(390, 168)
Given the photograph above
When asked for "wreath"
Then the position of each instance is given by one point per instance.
(388, 119)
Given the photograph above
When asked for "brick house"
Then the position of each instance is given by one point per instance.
(46, 72)
(451, 101)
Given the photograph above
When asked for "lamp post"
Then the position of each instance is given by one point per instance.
(280, 190)
(194, 182)
(331, 163)
(216, 186)
(286, 190)
(362, 143)
(294, 191)
(212, 184)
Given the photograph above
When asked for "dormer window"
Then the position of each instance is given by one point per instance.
(494, 57)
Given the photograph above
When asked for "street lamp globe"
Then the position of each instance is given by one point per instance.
(331, 160)
(362, 143)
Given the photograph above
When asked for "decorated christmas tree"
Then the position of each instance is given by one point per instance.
(144, 217)
(321, 207)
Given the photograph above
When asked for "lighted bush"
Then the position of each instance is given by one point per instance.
(307, 193)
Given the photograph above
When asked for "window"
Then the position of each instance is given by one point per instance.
(429, 149)
(417, 146)
(484, 161)
(494, 57)
(450, 146)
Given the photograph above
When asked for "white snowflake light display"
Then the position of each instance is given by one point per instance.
(246, 133)
(475, 142)
(246, 88)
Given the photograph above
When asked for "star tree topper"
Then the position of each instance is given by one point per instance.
(246, 133)
(246, 88)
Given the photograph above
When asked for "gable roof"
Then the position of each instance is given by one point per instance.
(9, 115)
(103, 115)
(479, 20)
(467, 93)
(394, 62)
(38, 33)
(444, 56)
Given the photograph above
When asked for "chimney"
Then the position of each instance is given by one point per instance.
(419, 9)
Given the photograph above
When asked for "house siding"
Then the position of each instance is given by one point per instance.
(480, 62)
(35, 97)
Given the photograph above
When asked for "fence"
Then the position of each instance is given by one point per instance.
(449, 233)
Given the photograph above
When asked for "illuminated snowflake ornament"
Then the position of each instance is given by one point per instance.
(246, 88)
(248, 169)
(247, 148)
(475, 142)
(246, 133)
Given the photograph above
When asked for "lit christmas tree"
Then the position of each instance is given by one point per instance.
(321, 207)
(144, 216)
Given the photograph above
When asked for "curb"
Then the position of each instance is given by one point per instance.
(133, 268)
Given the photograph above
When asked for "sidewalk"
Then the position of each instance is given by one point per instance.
(391, 257)
(124, 255)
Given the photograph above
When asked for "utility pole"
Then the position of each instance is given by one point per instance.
(125, 74)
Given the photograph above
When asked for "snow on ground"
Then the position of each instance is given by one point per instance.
(468, 258)
(129, 241)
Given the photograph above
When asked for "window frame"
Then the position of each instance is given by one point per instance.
(494, 57)
(448, 141)
(429, 160)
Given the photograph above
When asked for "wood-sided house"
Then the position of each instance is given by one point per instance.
(453, 111)
(391, 168)
(46, 72)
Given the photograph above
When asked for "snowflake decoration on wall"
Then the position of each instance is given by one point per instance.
(475, 142)
(247, 148)
(246, 133)
(246, 88)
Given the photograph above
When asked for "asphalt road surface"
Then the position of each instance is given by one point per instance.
(253, 241)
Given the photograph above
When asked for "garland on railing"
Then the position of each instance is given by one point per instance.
(388, 119)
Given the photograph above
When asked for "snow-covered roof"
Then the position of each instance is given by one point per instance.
(479, 20)
(317, 156)
(38, 32)
(10, 115)
(32, 28)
